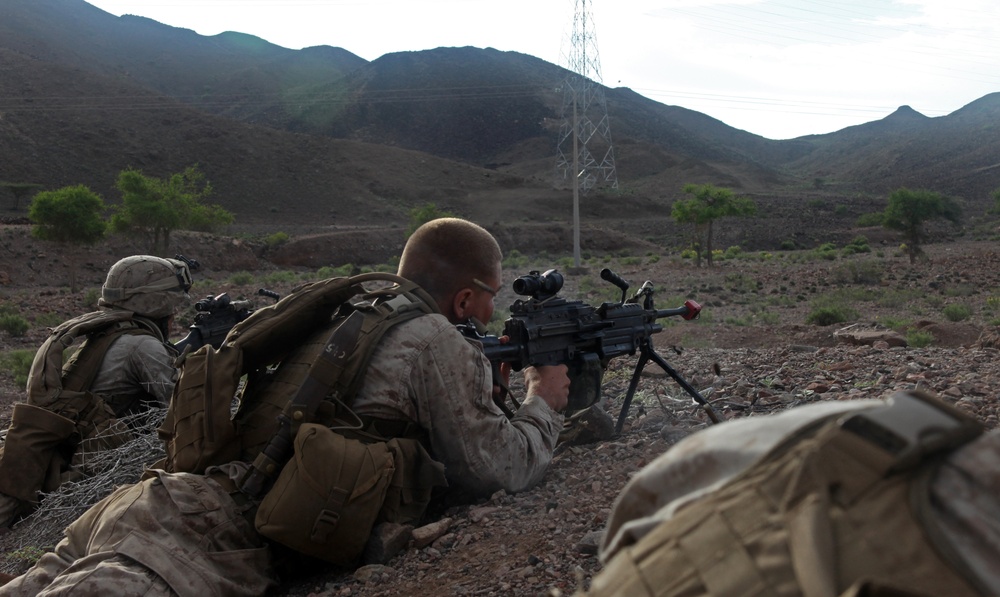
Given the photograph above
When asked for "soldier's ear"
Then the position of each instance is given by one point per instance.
(461, 303)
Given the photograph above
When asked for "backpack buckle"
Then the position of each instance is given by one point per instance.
(325, 524)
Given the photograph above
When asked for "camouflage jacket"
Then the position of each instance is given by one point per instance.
(425, 371)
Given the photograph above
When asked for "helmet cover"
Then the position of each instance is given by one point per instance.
(148, 286)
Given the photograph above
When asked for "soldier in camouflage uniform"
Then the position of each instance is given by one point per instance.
(893, 498)
(51, 431)
(186, 534)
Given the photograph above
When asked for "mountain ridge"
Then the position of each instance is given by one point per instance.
(321, 130)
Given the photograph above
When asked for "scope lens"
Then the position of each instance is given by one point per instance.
(535, 284)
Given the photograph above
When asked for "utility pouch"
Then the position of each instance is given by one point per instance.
(416, 476)
(198, 431)
(328, 496)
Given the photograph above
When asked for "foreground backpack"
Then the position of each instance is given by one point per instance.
(292, 365)
(839, 507)
(200, 430)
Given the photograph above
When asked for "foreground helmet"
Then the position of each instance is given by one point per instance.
(149, 286)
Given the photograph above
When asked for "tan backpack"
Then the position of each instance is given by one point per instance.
(64, 388)
(62, 420)
(289, 363)
(839, 508)
(200, 428)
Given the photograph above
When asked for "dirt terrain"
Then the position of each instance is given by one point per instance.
(751, 353)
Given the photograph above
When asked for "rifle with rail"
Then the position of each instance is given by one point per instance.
(216, 315)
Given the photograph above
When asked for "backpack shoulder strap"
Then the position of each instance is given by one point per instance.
(81, 369)
(340, 367)
(45, 378)
(384, 308)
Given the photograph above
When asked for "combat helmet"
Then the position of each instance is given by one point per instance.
(149, 286)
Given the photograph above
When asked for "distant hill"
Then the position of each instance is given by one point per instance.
(321, 137)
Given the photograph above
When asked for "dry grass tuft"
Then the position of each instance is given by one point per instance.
(104, 471)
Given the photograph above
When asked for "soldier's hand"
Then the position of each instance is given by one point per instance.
(550, 383)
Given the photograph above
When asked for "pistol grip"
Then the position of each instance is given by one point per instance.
(585, 377)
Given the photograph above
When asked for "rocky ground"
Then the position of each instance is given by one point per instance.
(752, 353)
(543, 542)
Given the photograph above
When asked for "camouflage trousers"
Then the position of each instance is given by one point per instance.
(172, 534)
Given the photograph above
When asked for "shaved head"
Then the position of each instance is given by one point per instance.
(444, 255)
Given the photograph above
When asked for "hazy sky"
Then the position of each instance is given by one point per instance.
(777, 68)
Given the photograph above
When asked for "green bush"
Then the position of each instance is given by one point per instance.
(48, 320)
(919, 338)
(276, 240)
(961, 290)
(348, 269)
(18, 364)
(423, 214)
(241, 279)
(827, 251)
(894, 323)
(957, 312)
(872, 219)
(514, 260)
(857, 245)
(14, 324)
(768, 318)
(858, 272)
(282, 277)
(823, 316)
(90, 297)
(565, 263)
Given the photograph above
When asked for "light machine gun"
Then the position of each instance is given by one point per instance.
(546, 329)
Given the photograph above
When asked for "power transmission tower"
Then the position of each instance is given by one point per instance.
(585, 132)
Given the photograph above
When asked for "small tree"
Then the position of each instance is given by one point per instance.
(68, 216)
(908, 210)
(707, 204)
(421, 215)
(156, 207)
(996, 201)
(20, 190)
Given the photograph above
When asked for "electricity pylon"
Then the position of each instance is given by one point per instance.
(585, 131)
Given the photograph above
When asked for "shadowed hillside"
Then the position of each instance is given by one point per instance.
(319, 137)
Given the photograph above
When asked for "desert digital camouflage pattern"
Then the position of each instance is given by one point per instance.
(414, 377)
(711, 517)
